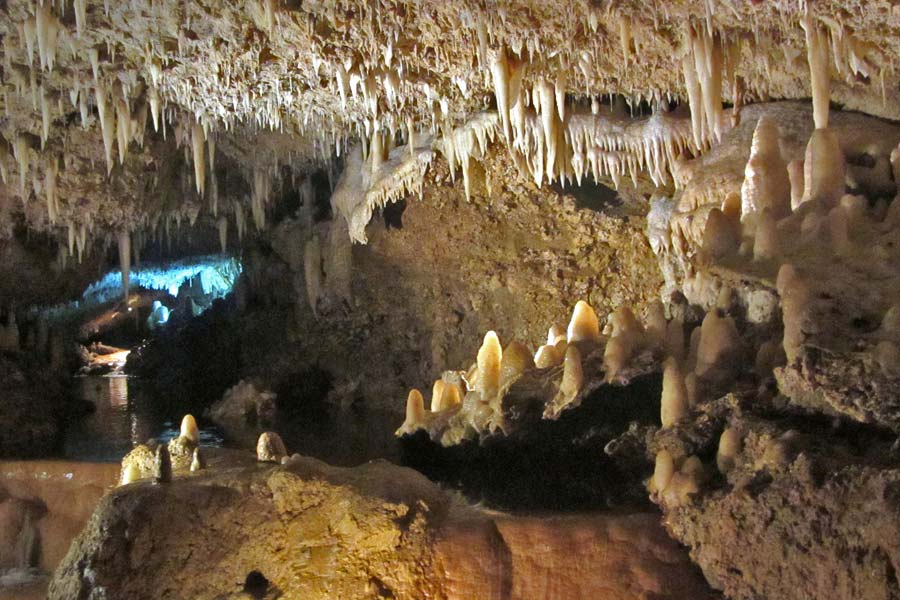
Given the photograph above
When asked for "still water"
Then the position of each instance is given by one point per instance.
(123, 417)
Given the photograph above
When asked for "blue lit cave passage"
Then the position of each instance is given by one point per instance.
(158, 293)
(207, 277)
(164, 299)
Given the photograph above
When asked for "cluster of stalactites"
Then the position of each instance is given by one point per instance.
(551, 141)
(702, 67)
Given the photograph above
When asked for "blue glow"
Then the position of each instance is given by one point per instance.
(217, 274)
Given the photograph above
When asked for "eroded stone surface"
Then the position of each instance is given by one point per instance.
(321, 532)
(804, 514)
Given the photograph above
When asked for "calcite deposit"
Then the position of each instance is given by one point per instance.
(661, 235)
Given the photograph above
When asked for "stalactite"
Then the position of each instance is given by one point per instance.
(222, 224)
(125, 261)
(197, 140)
(817, 57)
(500, 75)
(312, 270)
(123, 129)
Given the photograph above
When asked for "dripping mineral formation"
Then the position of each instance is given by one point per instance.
(615, 280)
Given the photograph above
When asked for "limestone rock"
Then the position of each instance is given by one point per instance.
(358, 533)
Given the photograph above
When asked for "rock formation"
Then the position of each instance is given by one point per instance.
(493, 222)
(368, 532)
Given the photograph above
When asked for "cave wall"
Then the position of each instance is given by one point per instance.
(515, 259)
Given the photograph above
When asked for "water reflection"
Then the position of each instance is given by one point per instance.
(344, 438)
(123, 417)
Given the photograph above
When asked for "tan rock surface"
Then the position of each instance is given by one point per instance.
(375, 531)
(67, 493)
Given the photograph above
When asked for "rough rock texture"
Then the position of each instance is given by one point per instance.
(243, 406)
(844, 363)
(134, 118)
(422, 295)
(806, 514)
(676, 231)
(376, 531)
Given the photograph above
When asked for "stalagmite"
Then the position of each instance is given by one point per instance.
(662, 472)
(795, 298)
(516, 360)
(795, 175)
(720, 236)
(546, 357)
(729, 447)
(556, 334)
(820, 82)
(823, 168)
(624, 323)
(719, 343)
(490, 356)
(887, 355)
(197, 141)
(838, 229)
(444, 396)
(125, 260)
(656, 324)
(682, 486)
(766, 244)
(890, 323)
(130, 474)
(769, 356)
(189, 429)
(415, 413)
(570, 385)
(615, 356)
(270, 447)
(674, 404)
(675, 339)
(766, 181)
(584, 326)
(162, 466)
(198, 461)
(692, 385)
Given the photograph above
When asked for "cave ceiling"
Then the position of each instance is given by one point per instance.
(143, 116)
